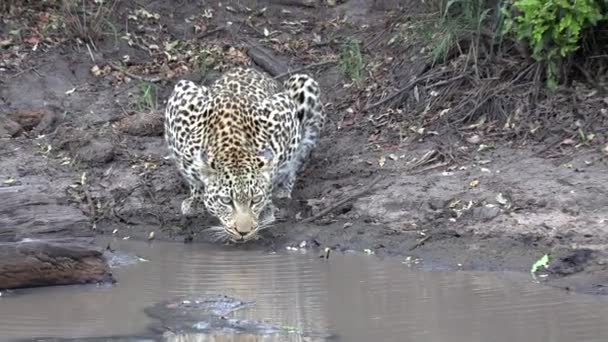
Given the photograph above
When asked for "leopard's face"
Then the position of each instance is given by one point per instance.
(240, 200)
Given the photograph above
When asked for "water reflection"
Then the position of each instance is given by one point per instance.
(351, 298)
(237, 338)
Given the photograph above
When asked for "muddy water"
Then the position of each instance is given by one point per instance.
(354, 298)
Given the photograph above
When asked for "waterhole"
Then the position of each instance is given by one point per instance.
(209, 293)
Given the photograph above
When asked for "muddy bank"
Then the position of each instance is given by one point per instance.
(84, 128)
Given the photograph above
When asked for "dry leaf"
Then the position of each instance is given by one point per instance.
(474, 183)
(474, 139)
(501, 199)
(6, 43)
(9, 181)
(568, 141)
(484, 147)
(96, 71)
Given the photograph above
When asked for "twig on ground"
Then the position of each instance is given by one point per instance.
(431, 167)
(310, 66)
(137, 77)
(90, 53)
(33, 69)
(253, 28)
(444, 82)
(421, 242)
(590, 79)
(343, 201)
(399, 92)
(210, 32)
(427, 158)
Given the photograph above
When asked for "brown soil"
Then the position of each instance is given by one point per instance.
(75, 125)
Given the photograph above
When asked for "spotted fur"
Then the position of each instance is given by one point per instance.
(239, 141)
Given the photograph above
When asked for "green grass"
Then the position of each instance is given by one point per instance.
(87, 20)
(460, 22)
(204, 62)
(351, 61)
(147, 101)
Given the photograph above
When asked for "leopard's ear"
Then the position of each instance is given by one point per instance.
(203, 162)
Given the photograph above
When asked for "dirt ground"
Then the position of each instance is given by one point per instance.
(82, 123)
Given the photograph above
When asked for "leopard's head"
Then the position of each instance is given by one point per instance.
(238, 187)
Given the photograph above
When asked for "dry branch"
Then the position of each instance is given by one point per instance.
(343, 201)
(399, 92)
(137, 77)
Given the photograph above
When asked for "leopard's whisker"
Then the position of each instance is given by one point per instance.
(214, 229)
(266, 223)
(216, 233)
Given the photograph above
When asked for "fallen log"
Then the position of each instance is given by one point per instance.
(265, 59)
(33, 263)
(297, 3)
(26, 212)
(45, 241)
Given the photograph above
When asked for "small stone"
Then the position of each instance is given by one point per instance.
(486, 213)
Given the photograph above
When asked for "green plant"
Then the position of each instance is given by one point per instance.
(351, 61)
(204, 61)
(585, 138)
(541, 262)
(148, 100)
(552, 28)
(460, 20)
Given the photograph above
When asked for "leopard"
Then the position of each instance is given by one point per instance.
(240, 143)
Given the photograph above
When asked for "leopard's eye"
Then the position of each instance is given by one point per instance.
(227, 200)
(257, 199)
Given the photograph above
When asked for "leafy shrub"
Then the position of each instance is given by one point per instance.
(552, 28)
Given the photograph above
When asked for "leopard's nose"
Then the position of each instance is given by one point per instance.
(244, 224)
